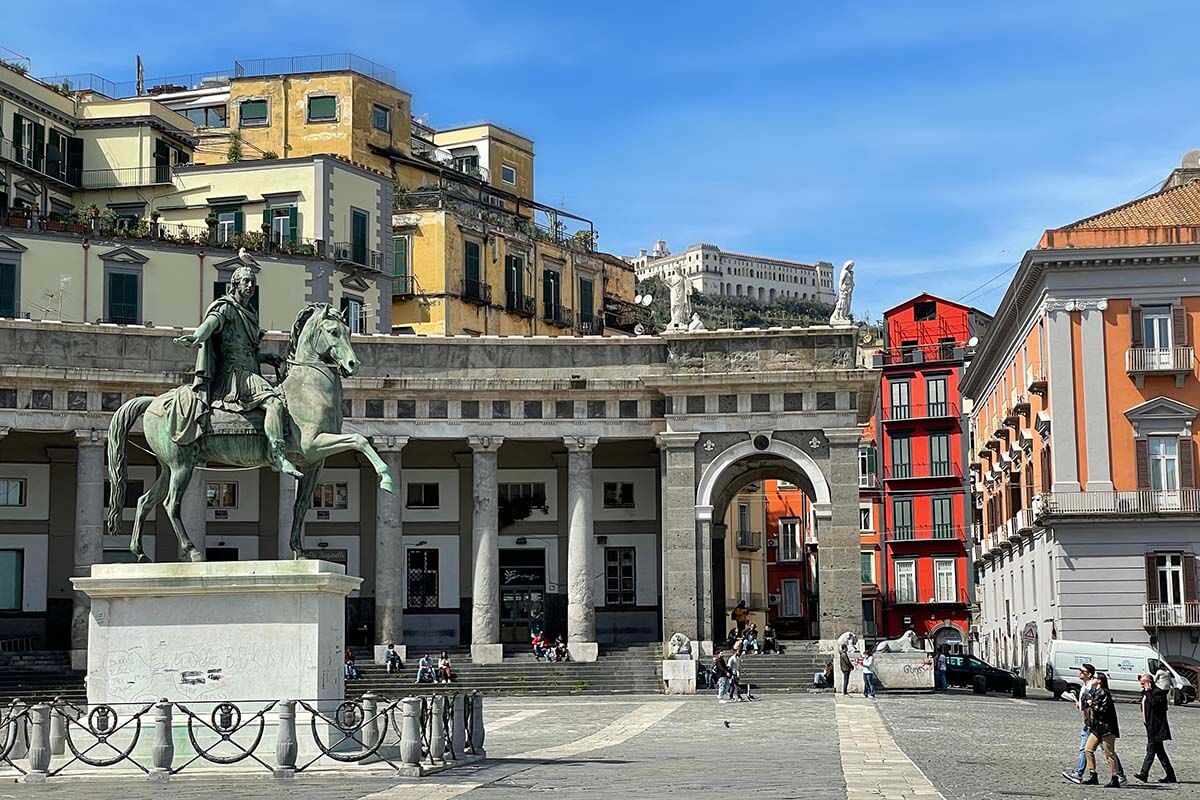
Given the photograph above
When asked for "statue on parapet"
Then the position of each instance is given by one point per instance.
(680, 646)
(905, 643)
(841, 309)
(681, 301)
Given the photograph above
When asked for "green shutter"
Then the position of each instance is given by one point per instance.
(39, 145)
(294, 224)
(872, 467)
(400, 257)
(585, 298)
(471, 266)
(74, 160)
(18, 135)
(122, 298)
(267, 213)
(8, 290)
(239, 222)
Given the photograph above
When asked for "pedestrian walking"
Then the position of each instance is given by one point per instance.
(1088, 682)
(943, 684)
(868, 667)
(1105, 731)
(735, 673)
(847, 667)
(720, 670)
(1154, 717)
(739, 615)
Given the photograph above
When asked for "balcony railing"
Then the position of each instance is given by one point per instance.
(592, 325)
(1142, 502)
(558, 315)
(348, 253)
(754, 601)
(474, 291)
(1035, 378)
(927, 598)
(403, 286)
(870, 481)
(521, 304)
(924, 533)
(1171, 615)
(915, 411)
(128, 176)
(935, 470)
(299, 65)
(1141, 361)
(749, 540)
(25, 156)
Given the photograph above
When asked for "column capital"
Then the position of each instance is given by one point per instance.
(844, 436)
(90, 436)
(580, 444)
(485, 444)
(389, 444)
(675, 440)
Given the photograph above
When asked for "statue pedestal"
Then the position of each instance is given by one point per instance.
(235, 630)
(679, 674)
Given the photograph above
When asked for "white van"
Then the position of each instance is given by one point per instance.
(1123, 663)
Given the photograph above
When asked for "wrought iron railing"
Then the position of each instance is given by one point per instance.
(295, 65)
(349, 253)
(558, 315)
(127, 176)
(923, 533)
(1171, 615)
(893, 412)
(905, 597)
(590, 325)
(916, 471)
(476, 291)
(403, 286)
(749, 540)
(754, 601)
(521, 304)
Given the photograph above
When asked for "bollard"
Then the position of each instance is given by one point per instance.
(410, 731)
(285, 742)
(39, 743)
(370, 730)
(163, 753)
(58, 727)
(477, 733)
(19, 731)
(437, 732)
(458, 727)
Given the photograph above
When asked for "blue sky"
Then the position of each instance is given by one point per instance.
(931, 142)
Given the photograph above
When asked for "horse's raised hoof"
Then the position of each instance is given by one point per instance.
(387, 484)
(194, 555)
(139, 555)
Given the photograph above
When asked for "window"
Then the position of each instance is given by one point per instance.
(1156, 327)
(422, 565)
(906, 581)
(743, 519)
(508, 174)
(744, 581)
(12, 492)
(534, 493)
(1164, 463)
(901, 408)
(901, 457)
(943, 518)
(1169, 568)
(620, 576)
(869, 628)
(867, 565)
(8, 290)
(946, 348)
(229, 224)
(939, 455)
(123, 298)
(284, 224)
(223, 494)
(789, 540)
(359, 223)
(253, 113)
(925, 311)
(331, 496)
(401, 266)
(471, 271)
(943, 575)
(322, 108)
(381, 118)
(618, 494)
(902, 519)
(866, 467)
(791, 598)
(355, 313)
(935, 393)
(423, 495)
(467, 164)
(909, 351)
(551, 293)
(12, 579)
(586, 288)
(208, 117)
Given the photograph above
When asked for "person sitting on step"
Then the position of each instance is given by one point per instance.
(391, 660)
(425, 673)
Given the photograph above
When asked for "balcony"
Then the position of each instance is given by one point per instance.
(920, 411)
(1143, 361)
(1035, 378)
(749, 540)
(919, 354)
(1018, 406)
(126, 177)
(349, 253)
(1171, 615)
(477, 292)
(403, 286)
(924, 533)
(26, 157)
(870, 481)
(936, 471)
(302, 65)
(590, 325)
(754, 601)
(520, 304)
(956, 598)
(558, 315)
(1145, 502)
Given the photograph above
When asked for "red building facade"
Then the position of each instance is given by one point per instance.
(922, 511)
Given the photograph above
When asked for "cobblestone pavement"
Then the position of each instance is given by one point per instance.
(993, 747)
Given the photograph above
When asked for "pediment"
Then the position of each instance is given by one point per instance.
(355, 282)
(233, 262)
(8, 245)
(124, 255)
(1162, 408)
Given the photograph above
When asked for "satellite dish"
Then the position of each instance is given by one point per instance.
(973, 341)
(647, 299)
(637, 298)
(639, 329)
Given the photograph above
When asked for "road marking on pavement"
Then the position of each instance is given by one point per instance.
(617, 732)
(1023, 702)
(873, 765)
(513, 719)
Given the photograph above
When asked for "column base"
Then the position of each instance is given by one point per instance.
(381, 654)
(487, 653)
(584, 651)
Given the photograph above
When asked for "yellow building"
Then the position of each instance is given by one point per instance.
(745, 556)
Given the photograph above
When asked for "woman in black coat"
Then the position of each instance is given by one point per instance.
(1154, 717)
(1105, 731)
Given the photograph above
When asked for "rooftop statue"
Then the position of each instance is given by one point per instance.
(841, 309)
(231, 414)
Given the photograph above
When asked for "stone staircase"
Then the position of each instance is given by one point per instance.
(621, 669)
(39, 675)
(789, 671)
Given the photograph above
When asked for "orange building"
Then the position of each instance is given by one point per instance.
(791, 561)
(1086, 398)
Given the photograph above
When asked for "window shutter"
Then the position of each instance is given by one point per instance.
(1189, 578)
(400, 257)
(1187, 463)
(1179, 327)
(8, 290)
(239, 222)
(1141, 452)
(293, 224)
(39, 145)
(18, 135)
(1151, 578)
(267, 220)
(1135, 327)
(74, 160)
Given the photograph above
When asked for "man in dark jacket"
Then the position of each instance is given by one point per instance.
(1154, 717)
(847, 667)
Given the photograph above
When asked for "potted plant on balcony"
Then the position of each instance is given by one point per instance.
(155, 215)
(211, 221)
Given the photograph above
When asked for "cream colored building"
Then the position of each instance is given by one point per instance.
(745, 557)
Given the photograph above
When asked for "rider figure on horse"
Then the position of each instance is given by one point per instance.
(227, 375)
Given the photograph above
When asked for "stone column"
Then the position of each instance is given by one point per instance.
(838, 563)
(287, 508)
(485, 525)
(194, 510)
(89, 531)
(389, 555)
(681, 548)
(581, 543)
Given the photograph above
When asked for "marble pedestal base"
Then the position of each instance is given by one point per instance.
(584, 651)
(487, 653)
(236, 630)
(679, 674)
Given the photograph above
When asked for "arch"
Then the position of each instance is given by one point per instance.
(710, 479)
(945, 630)
(772, 295)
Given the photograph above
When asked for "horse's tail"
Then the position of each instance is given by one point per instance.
(118, 432)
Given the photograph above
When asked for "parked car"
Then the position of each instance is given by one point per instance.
(969, 671)
(1123, 663)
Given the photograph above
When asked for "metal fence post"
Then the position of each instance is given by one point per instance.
(39, 743)
(58, 727)
(163, 753)
(437, 733)
(371, 732)
(410, 731)
(477, 732)
(458, 727)
(285, 741)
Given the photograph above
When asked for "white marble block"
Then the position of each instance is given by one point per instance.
(680, 675)
(232, 630)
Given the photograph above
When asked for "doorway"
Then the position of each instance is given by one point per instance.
(522, 594)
